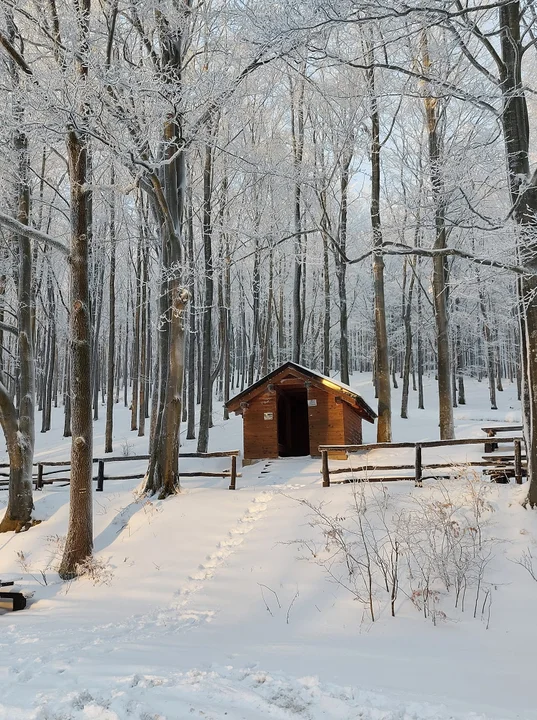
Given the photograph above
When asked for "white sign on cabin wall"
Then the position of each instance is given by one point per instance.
(312, 403)
(269, 416)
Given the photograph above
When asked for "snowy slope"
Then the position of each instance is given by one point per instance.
(204, 609)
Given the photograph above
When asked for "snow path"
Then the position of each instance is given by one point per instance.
(176, 616)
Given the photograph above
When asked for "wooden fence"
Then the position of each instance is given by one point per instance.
(43, 476)
(418, 466)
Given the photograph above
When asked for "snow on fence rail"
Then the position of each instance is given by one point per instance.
(497, 468)
(62, 465)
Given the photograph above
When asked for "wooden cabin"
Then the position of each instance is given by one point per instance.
(293, 410)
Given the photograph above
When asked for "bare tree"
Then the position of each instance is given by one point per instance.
(18, 423)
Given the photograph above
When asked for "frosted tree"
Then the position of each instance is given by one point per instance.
(18, 421)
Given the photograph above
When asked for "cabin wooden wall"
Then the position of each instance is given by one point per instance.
(325, 419)
(353, 426)
(331, 422)
(260, 435)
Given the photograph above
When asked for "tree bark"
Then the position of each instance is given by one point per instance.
(108, 448)
(19, 425)
(382, 374)
(142, 381)
(341, 269)
(79, 543)
(326, 291)
(407, 320)
(191, 389)
(523, 192)
(297, 136)
(206, 367)
(168, 193)
(440, 280)
(135, 371)
(50, 366)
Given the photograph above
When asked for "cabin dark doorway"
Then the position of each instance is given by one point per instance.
(293, 425)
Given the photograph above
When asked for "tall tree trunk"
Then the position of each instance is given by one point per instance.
(407, 320)
(440, 280)
(341, 269)
(168, 193)
(256, 293)
(489, 350)
(126, 356)
(111, 322)
(206, 368)
(51, 357)
(227, 311)
(79, 543)
(67, 396)
(419, 348)
(143, 343)
(326, 294)
(297, 134)
(382, 374)
(523, 192)
(19, 425)
(498, 359)
(191, 389)
(268, 324)
(460, 363)
(135, 372)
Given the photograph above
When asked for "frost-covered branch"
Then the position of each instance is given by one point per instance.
(400, 249)
(15, 226)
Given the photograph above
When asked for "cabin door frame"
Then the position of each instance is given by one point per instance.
(293, 421)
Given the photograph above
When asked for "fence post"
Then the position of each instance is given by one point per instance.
(39, 481)
(418, 468)
(326, 471)
(233, 483)
(518, 462)
(100, 476)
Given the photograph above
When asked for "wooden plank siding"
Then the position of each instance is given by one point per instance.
(260, 435)
(326, 420)
(353, 426)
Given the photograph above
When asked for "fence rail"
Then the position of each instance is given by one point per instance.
(43, 477)
(419, 466)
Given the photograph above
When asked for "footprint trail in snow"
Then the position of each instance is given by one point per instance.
(224, 549)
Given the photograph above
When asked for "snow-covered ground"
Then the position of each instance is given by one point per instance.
(205, 608)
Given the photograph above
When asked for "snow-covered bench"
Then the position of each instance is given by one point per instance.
(17, 598)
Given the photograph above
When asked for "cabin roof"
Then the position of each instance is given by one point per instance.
(330, 385)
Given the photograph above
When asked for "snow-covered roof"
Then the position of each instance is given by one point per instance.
(343, 386)
(328, 383)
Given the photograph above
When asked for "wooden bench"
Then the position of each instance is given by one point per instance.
(502, 458)
(503, 473)
(17, 599)
(493, 431)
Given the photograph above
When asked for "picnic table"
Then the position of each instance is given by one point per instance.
(498, 429)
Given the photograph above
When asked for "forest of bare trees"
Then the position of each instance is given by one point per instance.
(193, 193)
